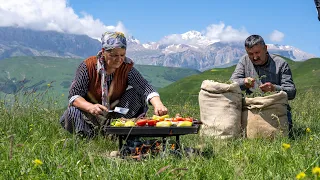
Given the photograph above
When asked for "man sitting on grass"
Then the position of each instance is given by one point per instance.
(258, 62)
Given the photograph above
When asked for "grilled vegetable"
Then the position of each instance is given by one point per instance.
(160, 118)
(152, 122)
(118, 124)
(141, 122)
(129, 124)
(184, 124)
(163, 124)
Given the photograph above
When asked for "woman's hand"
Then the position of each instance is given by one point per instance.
(97, 109)
(159, 108)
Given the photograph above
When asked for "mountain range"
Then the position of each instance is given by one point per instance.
(190, 50)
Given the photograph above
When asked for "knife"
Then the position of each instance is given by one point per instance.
(120, 110)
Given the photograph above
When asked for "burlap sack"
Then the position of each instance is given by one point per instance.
(220, 109)
(265, 117)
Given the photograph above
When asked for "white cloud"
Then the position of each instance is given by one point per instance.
(57, 15)
(213, 33)
(276, 36)
(221, 32)
(52, 15)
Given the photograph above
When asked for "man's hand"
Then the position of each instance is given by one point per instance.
(97, 109)
(249, 82)
(267, 87)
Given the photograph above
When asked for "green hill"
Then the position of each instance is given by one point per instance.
(28, 73)
(306, 75)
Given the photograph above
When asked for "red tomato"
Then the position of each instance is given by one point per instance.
(141, 122)
(152, 122)
(174, 120)
(179, 118)
(188, 119)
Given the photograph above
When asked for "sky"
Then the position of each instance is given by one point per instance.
(284, 22)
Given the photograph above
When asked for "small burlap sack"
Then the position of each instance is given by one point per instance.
(220, 109)
(265, 117)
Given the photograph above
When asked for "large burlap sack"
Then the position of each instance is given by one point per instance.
(265, 117)
(220, 109)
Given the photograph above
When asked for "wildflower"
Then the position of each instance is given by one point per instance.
(286, 146)
(308, 130)
(37, 162)
(62, 95)
(311, 139)
(49, 85)
(316, 171)
(301, 175)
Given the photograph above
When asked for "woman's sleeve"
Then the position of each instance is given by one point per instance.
(137, 81)
(79, 85)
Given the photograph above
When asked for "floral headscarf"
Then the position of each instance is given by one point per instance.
(109, 40)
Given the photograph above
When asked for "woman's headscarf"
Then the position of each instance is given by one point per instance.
(109, 40)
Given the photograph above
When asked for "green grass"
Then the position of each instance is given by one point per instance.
(30, 130)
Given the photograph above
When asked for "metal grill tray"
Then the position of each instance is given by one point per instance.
(153, 131)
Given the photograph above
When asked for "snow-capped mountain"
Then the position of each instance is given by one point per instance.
(193, 39)
(196, 38)
(175, 48)
(289, 51)
(194, 50)
(151, 45)
(191, 49)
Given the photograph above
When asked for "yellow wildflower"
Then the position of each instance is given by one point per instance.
(286, 146)
(37, 162)
(49, 85)
(308, 130)
(301, 175)
(311, 138)
(62, 95)
(316, 171)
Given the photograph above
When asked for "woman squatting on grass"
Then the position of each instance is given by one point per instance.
(103, 82)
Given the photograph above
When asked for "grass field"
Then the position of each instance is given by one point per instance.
(34, 146)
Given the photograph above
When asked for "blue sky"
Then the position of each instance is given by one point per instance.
(151, 20)
(292, 22)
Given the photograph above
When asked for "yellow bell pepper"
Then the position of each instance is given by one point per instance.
(163, 124)
(129, 124)
(160, 118)
(184, 124)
